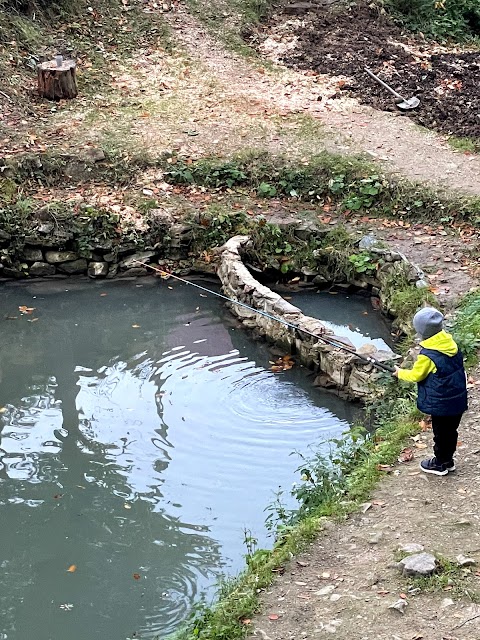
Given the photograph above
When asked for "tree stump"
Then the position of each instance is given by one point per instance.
(57, 80)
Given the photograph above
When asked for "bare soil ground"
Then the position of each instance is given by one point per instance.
(341, 41)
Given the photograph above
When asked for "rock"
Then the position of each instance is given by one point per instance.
(97, 269)
(422, 284)
(305, 230)
(41, 269)
(32, 255)
(308, 272)
(446, 602)
(93, 155)
(411, 547)
(12, 272)
(133, 261)
(375, 538)
(75, 266)
(325, 591)
(367, 242)
(400, 605)
(419, 564)
(46, 228)
(463, 561)
(57, 257)
(112, 271)
(135, 273)
(319, 280)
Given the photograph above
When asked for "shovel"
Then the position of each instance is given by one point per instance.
(404, 104)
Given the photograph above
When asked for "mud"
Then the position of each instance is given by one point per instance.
(342, 42)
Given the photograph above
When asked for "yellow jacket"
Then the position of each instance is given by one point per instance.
(423, 366)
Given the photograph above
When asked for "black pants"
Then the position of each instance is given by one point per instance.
(445, 435)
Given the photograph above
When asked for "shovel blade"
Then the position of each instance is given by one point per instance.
(409, 103)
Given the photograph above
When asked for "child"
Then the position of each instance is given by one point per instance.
(442, 387)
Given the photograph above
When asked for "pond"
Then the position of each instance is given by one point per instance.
(141, 433)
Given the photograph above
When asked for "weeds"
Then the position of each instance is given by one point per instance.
(349, 183)
(466, 327)
(465, 145)
(448, 577)
(440, 19)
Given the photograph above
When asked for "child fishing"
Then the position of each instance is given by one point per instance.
(442, 387)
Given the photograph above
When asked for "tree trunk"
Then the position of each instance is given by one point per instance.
(56, 79)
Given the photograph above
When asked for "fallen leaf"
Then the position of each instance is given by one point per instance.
(273, 616)
(420, 445)
(72, 568)
(406, 455)
(384, 467)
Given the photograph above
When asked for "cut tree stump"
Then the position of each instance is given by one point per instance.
(57, 80)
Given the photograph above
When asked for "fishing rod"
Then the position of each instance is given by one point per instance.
(333, 343)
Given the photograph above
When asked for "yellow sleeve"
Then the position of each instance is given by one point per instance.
(420, 370)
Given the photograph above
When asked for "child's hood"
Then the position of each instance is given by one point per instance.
(441, 341)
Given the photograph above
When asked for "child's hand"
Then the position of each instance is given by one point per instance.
(395, 373)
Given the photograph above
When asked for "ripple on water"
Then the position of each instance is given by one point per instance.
(142, 463)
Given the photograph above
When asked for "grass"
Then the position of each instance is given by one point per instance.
(466, 327)
(465, 145)
(449, 578)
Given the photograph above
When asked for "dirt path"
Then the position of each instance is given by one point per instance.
(347, 126)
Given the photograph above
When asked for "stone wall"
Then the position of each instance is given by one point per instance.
(52, 247)
(336, 369)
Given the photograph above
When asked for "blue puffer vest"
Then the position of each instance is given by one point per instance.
(443, 393)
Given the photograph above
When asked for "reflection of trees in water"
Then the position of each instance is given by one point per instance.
(46, 532)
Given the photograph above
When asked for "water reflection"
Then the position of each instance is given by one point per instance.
(140, 433)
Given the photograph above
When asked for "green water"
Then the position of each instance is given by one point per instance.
(140, 432)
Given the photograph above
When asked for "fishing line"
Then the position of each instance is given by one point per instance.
(167, 274)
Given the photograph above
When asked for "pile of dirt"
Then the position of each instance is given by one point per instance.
(342, 42)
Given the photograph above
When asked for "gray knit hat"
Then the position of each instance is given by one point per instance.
(427, 322)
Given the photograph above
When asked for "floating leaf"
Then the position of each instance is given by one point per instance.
(135, 326)
(72, 568)
(26, 310)
(136, 576)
